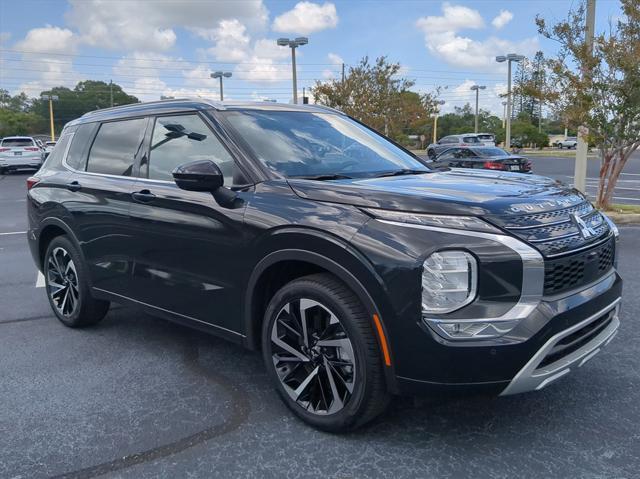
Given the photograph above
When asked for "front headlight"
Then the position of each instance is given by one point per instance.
(449, 281)
(470, 223)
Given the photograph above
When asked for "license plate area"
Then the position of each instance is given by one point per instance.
(17, 153)
(514, 167)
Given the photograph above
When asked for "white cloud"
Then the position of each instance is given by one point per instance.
(231, 41)
(307, 17)
(48, 39)
(454, 18)
(443, 40)
(150, 26)
(337, 61)
(48, 70)
(504, 17)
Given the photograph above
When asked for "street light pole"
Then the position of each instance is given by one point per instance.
(219, 75)
(511, 57)
(293, 44)
(51, 99)
(504, 113)
(435, 120)
(477, 88)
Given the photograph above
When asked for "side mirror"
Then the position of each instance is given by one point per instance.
(201, 175)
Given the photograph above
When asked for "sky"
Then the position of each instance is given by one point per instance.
(155, 48)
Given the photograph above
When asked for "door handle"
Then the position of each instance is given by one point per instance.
(143, 196)
(74, 186)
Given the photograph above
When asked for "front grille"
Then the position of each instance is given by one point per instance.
(575, 341)
(556, 232)
(584, 267)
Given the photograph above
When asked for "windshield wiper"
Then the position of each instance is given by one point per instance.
(326, 177)
(404, 171)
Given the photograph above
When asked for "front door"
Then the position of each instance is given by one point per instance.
(189, 247)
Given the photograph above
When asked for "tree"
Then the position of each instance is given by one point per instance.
(375, 95)
(20, 123)
(462, 120)
(600, 88)
(87, 96)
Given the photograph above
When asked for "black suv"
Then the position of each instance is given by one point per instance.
(359, 272)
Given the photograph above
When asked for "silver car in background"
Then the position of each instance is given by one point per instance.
(18, 152)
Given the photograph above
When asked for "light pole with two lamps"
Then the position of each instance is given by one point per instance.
(220, 74)
(293, 44)
(511, 57)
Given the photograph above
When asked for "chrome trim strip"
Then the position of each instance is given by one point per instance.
(554, 223)
(530, 378)
(555, 238)
(168, 311)
(582, 248)
(532, 272)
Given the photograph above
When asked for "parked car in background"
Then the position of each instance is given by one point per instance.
(48, 148)
(450, 141)
(570, 142)
(487, 139)
(485, 157)
(19, 152)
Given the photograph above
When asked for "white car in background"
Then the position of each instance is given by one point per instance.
(18, 152)
(48, 148)
(569, 142)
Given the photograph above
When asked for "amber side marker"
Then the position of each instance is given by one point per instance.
(383, 340)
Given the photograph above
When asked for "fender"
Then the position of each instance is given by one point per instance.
(52, 220)
(366, 284)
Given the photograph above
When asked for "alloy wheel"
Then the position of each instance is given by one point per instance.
(62, 282)
(313, 356)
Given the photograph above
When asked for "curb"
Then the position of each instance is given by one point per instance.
(624, 218)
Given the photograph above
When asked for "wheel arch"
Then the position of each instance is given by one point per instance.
(51, 228)
(342, 261)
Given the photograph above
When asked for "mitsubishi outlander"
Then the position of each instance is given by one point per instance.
(358, 271)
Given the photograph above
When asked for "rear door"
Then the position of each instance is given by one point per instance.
(189, 249)
(102, 183)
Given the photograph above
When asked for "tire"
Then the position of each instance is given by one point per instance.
(355, 391)
(67, 287)
(3, 171)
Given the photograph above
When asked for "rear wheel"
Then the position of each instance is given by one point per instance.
(67, 287)
(321, 352)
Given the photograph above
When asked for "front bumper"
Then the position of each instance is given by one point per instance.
(570, 330)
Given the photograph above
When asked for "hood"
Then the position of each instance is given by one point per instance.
(457, 191)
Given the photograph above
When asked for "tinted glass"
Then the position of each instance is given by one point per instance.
(17, 142)
(115, 147)
(181, 139)
(77, 156)
(471, 139)
(311, 144)
(486, 137)
(55, 157)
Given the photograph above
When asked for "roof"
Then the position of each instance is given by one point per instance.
(168, 106)
(17, 138)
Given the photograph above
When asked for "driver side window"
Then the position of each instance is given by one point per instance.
(184, 138)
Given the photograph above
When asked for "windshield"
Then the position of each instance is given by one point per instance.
(305, 144)
(491, 152)
(17, 142)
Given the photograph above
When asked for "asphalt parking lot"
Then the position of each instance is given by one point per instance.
(139, 397)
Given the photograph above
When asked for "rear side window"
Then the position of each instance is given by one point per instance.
(77, 156)
(56, 156)
(17, 142)
(116, 145)
(470, 139)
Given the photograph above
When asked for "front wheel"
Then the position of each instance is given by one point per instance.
(67, 286)
(320, 350)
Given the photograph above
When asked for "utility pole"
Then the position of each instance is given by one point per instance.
(293, 44)
(51, 99)
(582, 148)
(477, 89)
(343, 73)
(111, 93)
(504, 113)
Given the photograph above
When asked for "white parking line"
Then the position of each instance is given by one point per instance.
(40, 280)
(13, 233)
